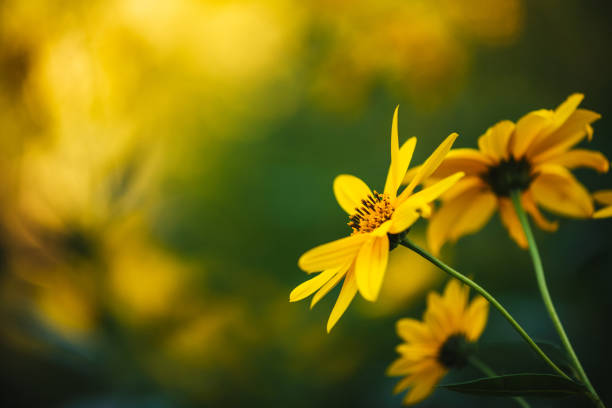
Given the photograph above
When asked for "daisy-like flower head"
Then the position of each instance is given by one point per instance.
(377, 221)
(603, 197)
(439, 343)
(534, 156)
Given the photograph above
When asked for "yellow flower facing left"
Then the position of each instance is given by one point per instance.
(377, 220)
(439, 343)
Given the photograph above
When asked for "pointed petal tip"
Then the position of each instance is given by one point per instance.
(294, 296)
(394, 121)
(301, 262)
(369, 296)
(577, 95)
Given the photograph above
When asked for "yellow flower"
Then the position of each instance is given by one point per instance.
(535, 156)
(377, 220)
(440, 342)
(603, 197)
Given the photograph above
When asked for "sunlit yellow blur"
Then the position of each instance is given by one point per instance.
(66, 307)
(420, 48)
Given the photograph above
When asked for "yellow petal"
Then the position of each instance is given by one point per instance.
(393, 168)
(580, 158)
(527, 130)
(430, 165)
(475, 318)
(461, 215)
(564, 111)
(399, 161)
(370, 266)
(426, 210)
(347, 293)
(475, 217)
(470, 161)
(400, 367)
(603, 213)
(558, 119)
(424, 386)
(394, 136)
(511, 222)
(413, 330)
(418, 351)
(382, 229)
(430, 193)
(407, 365)
(398, 168)
(494, 143)
(411, 174)
(331, 255)
(403, 384)
(455, 299)
(349, 191)
(556, 189)
(327, 287)
(532, 208)
(312, 285)
(575, 128)
(589, 132)
(603, 197)
(466, 183)
(403, 218)
(437, 317)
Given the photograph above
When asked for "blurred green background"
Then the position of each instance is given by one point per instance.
(164, 164)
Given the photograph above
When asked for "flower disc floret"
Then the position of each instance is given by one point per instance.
(375, 211)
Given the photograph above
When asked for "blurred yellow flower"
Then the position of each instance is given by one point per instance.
(418, 48)
(377, 220)
(440, 342)
(144, 280)
(66, 305)
(603, 197)
(533, 156)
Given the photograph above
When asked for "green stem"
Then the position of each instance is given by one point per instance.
(550, 307)
(480, 365)
(410, 245)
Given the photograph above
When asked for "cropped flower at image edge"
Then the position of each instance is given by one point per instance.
(377, 220)
(533, 156)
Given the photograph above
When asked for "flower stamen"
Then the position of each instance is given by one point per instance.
(376, 209)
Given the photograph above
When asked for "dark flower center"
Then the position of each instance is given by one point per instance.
(508, 175)
(455, 351)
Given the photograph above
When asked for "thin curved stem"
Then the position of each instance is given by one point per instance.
(485, 369)
(410, 245)
(550, 307)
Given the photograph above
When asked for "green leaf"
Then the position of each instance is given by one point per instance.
(520, 385)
